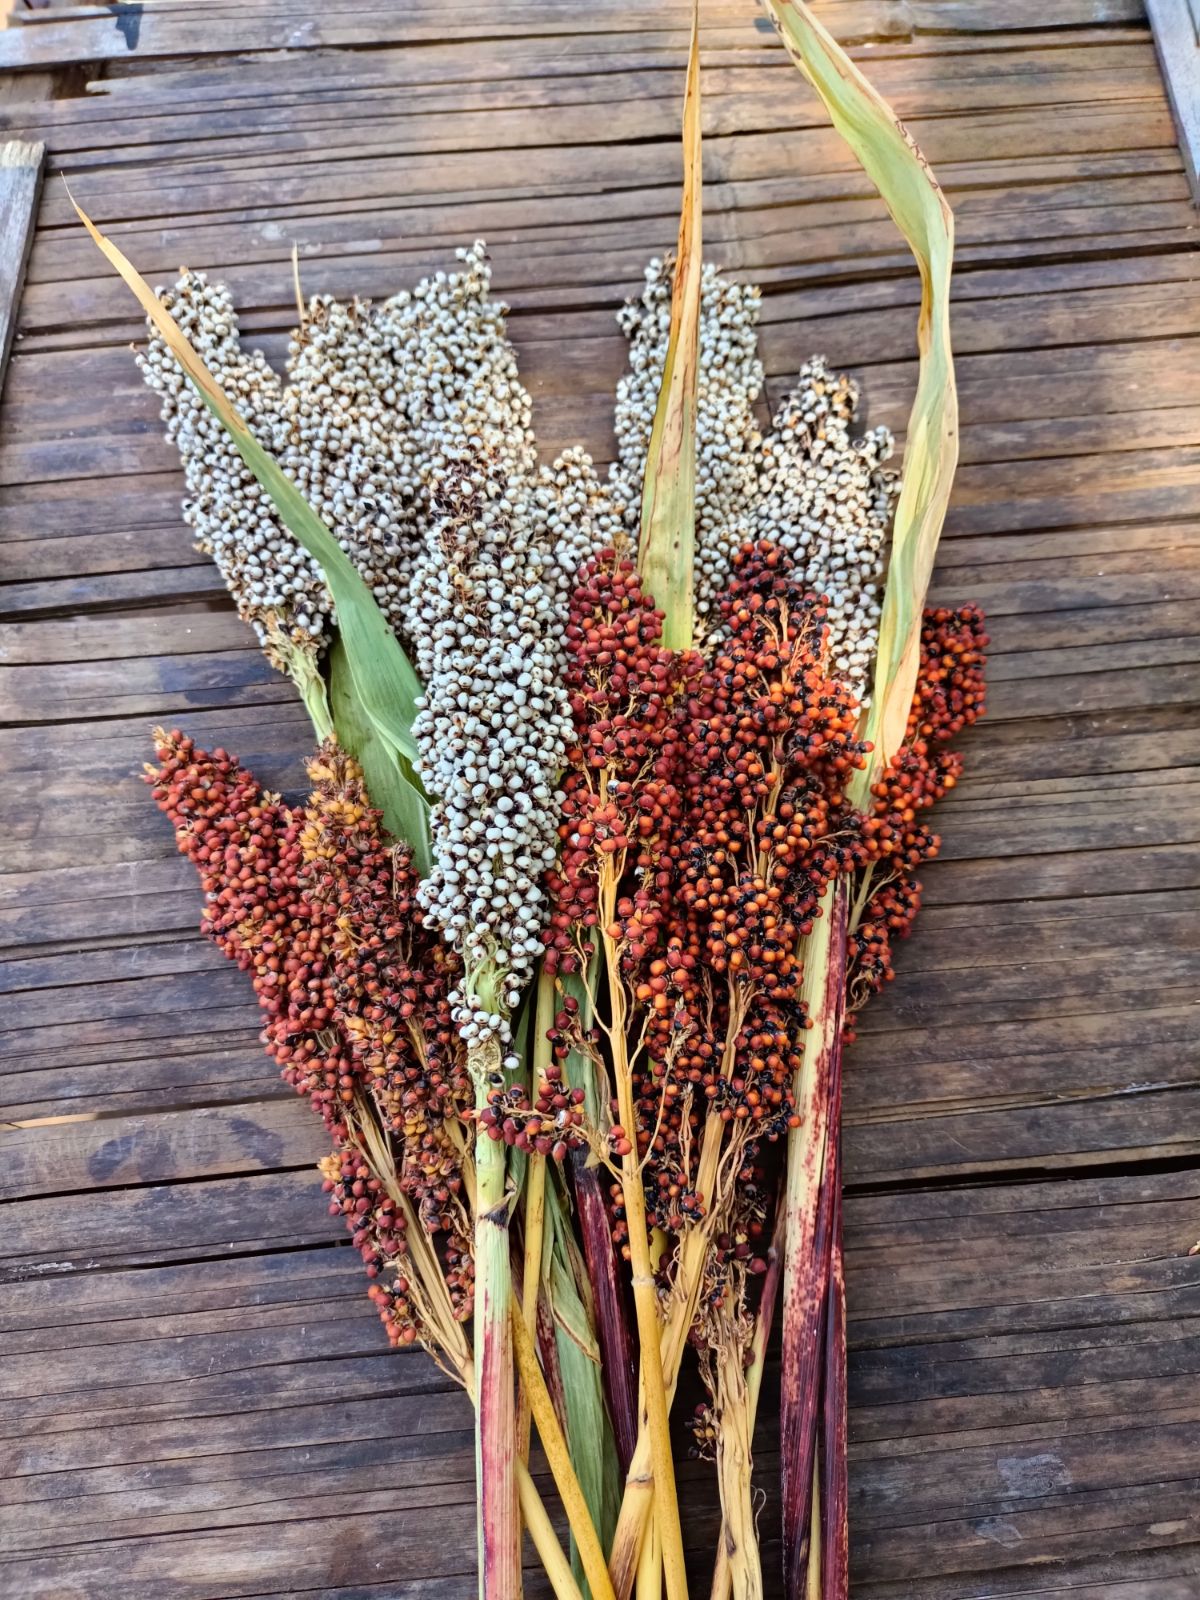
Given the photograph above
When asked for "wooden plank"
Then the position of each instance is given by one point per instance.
(133, 33)
(1176, 28)
(191, 1366)
(20, 186)
(1035, 1366)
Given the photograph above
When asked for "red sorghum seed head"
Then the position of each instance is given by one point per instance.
(949, 696)
(769, 742)
(318, 906)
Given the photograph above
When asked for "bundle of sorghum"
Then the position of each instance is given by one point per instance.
(566, 940)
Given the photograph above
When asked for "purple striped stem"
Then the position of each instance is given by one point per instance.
(809, 1227)
(835, 1533)
(618, 1372)
(547, 1346)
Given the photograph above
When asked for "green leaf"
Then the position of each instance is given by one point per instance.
(589, 1432)
(385, 681)
(910, 191)
(667, 544)
(391, 782)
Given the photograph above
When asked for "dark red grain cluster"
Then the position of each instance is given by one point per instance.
(317, 906)
(769, 747)
(379, 1235)
(949, 696)
(620, 787)
(716, 792)
(245, 844)
(391, 979)
(551, 1124)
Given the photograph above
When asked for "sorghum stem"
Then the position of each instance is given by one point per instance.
(306, 675)
(739, 1537)
(645, 1293)
(812, 1575)
(640, 1486)
(649, 1572)
(618, 1374)
(499, 1529)
(545, 1540)
(591, 1553)
(754, 1373)
(531, 1279)
(835, 1566)
(612, 1326)
(808, 1204)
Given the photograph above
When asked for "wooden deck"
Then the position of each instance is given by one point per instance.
(197, 1399)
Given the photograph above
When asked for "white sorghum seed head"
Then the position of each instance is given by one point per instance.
(346, 445)
(729, 379)
(274, 583)
(494, 721)
(827, 499)
(809, 487)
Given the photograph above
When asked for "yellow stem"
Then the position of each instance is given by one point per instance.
(545, 1540)
(535, 1227)
(591, 1553)
(645, 1293)
(640, 1482)
(739, 1536)
(649, 1572)
(722, 1579)
(812, 1587)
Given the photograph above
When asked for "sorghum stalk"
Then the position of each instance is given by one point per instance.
(645, 1292)
(306, 675)
(649, 1572)
(722, 1578)
(638, 1499)
(531, 1274)
(739, 1538)
(618, 1372)
(535, 1199)
(545, 1540)
(806, 1257)
(834, 1493)
(591, 1553)
(499, 1530)
(812, 1572)
(612, 1327)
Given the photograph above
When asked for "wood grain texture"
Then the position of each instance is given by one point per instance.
(1176, 25)
(195, 1395)
(20, 185)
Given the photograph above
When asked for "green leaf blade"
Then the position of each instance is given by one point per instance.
(391, 783)
(892, 161)
(384, 679)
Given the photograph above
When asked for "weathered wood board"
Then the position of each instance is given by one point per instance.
(20, 184)
(1176, 25)
(196, 1397)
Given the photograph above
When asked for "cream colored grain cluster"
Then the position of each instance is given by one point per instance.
(809, 486)
(276, 586)
(729, 380)
(494, 722)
